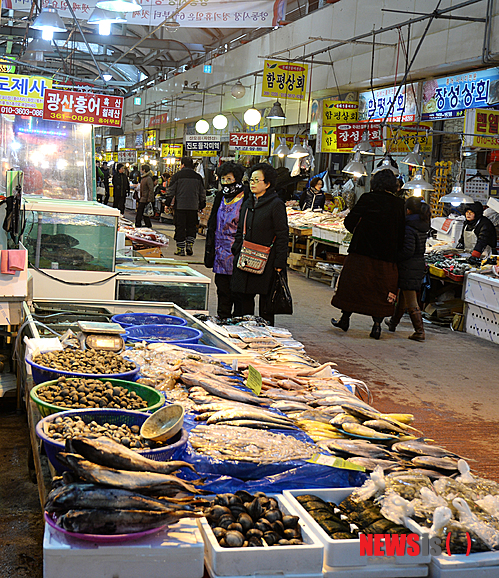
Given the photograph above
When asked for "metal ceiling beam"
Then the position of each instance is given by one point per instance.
(446, 16)
(134, 61)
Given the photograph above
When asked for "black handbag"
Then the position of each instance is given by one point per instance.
(279, 300)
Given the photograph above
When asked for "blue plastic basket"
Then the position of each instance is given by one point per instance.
(163, 334)
(111, 416)
(208, 349)
(42, 374)
(130, 319)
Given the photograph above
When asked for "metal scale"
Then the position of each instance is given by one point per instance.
(101, 336)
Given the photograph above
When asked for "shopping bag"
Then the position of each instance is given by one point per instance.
(279, 300)
(149, 210)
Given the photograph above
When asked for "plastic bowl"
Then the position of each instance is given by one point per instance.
(42, 374)
(131, 319)
(111, 416)
(163, 334)
(154, 398)
(163, 424)
(207, 349)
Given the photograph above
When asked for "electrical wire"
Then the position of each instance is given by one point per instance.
(72, 282)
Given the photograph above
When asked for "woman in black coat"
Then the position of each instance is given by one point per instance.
(412, 266)
(479, 234)
(264, 216)
(313, 197)
(368, 280)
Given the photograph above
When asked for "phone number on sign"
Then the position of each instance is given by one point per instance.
(69, 116)
(21, 111)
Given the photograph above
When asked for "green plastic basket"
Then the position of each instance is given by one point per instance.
(154, 398)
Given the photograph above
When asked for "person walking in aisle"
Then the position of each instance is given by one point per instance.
(368, 280)
(221, 232)
(411, 266)
(121, 188)
(146, 196)
(263, 221)
(186, 193)
(106, 172)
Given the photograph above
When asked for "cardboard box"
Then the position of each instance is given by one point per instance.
(152, 252)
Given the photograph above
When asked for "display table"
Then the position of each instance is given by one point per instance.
(300, 233)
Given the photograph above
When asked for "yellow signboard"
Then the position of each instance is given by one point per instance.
(151, 137)
(483, 124)
(23, 95)
(204, 153)
(108, 157)
(405, 139)
(286, 80)
(5, 65)
(339, 111)
(176, 150)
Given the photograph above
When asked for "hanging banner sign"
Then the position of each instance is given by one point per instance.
(483, 124)
(375, 108)
(109, 143)
(127, 156)
(151, 138)
(202, 142)
(199, 14)
(204, 153)
(286, 80)
(449, 97)
(177, 150)
(405, 139)
(23, 95)
(252, 143)
(98, 109)
(343, 137)
(339, 111)
(158, 120)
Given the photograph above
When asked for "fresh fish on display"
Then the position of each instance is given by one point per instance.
(341, 418)
(358, 448)
(246, 444)
(361, 430)
(249, 413)
(253, 423)
(433, 462)
(383, 426)
(371, 463)
(290, 406)
(418, 447)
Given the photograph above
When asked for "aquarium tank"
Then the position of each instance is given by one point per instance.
(190, 296)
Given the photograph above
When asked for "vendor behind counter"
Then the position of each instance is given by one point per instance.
(479, 234)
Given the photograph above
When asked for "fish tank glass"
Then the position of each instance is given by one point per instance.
(190, 296)
(81, 242)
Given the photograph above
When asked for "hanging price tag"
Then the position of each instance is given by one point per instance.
(334, 462)
(254, 380)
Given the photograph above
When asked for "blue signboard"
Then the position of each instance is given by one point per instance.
(450, 97)
(207, 68)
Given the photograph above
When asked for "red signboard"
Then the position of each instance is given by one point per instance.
(158, 120)
(242, 141)
(348, 135)
(79, 107)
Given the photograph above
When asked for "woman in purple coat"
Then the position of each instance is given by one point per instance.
(221, 231)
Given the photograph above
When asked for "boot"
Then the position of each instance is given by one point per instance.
(189, 246)
(376, 331)
(397, 315)
(343, 322)
(180, 249)
(417, 323)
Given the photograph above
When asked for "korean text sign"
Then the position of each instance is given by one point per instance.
(405, 139)
(172, 149)
(374, 107)
(338, 112)
(286, 80)
(252, 142)
(483, 124)
(451, 96)
(23, 95)
(204, 142)
(343, 137)
(79, 107)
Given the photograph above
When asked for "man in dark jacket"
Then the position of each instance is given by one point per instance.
(186, 192)
(106, 172)
(121, 188)
(146, 196)
(478, 233)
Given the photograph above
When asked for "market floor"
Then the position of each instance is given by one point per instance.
(450, 383)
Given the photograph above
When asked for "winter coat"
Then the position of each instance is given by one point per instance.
(146, 188)
(266, 219)
(312, 199)
(485, 232)
(377, 223)
(210, 248)
(121, 185)
(411, 263)
(187, 188)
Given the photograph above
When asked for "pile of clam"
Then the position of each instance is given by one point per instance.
(89, 361)
(245, 520)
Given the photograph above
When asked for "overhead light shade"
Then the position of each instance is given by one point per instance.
(202, 126)
(456, 197)
(298, 151)
(355, 167)
(137, 119)
(119, 5)
(238, 90)
(413, 158)
(107, 77)
(171, 24)
(99, 15)
(38, 45)
(386, 163)
(252, 117)
(364, 146)
(49, 20)
(276, 111)
(220, 121)
(282, 150)
(418, 183)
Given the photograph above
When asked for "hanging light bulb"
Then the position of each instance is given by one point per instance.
(386, 163)
(282, 150)
(298, 151)
(364, 146)
(355, 167)
(418, 184)
(220, 121)
(276, 111)
(238, 90)
(202, 126)
(137, 119)
(171, 24)
(456, 197)
(414, 158)
(252, 117)
(48, 21)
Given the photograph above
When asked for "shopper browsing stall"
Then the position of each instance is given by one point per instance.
(121, 188)
(369, 278)
(263, 221)
(411, 266)
(105, 179)
(221, 232)
(479, 234)
(146, 195)
(313, 197)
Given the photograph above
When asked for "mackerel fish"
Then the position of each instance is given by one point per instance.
(221, 388)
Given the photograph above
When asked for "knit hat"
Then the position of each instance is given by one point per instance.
(476, 208)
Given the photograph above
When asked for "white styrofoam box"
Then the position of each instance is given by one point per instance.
(343, 553)
(482, 323)
(482, 290)
(280, 575)
(317, 232)
(493, 203)
(479, 565)
(377, 571)
(269, 560)
(176, 552)
(448, 229)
